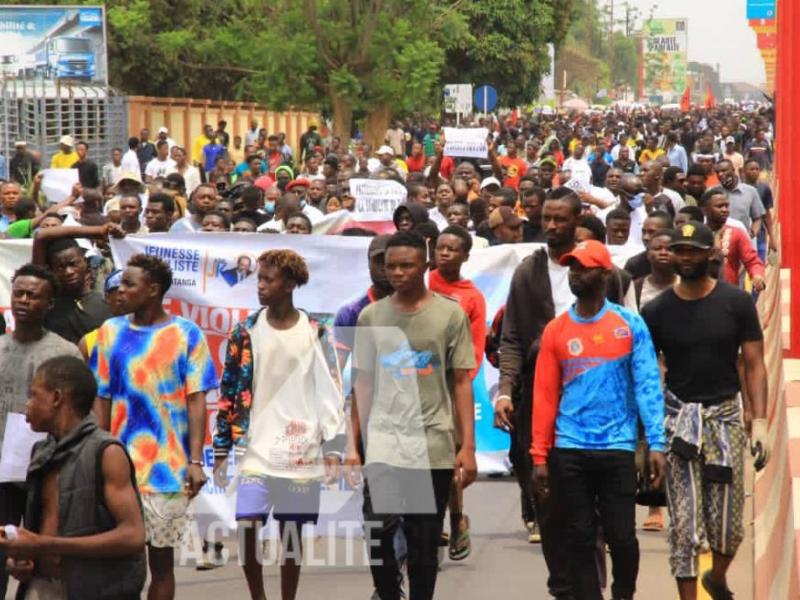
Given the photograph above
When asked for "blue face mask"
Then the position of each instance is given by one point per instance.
(637, 200)
(269, 206)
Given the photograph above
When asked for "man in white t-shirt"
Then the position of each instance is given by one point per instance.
(130, 160)
(281, 407)
(162, 165)
(578, 165)
(631, 199)
(190, 173)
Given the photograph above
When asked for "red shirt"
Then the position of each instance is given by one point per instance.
(274, 160)
(737, 251)
(515, 170)
(448, 167)
(472, 303)
(416, 164)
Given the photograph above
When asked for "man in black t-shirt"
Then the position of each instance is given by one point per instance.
(700, 326)
(88, 173)
(77, 309)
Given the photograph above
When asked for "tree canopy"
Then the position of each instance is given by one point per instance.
(601, 49)
(370, 58)
(508, 46)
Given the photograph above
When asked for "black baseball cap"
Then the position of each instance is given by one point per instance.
(378, 245)
(693, 234)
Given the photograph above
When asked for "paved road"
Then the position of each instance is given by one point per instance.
(502, 564)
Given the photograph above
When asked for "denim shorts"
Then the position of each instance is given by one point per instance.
(289, 500)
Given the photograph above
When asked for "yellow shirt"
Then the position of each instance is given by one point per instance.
(90, 342)
(63, 161)
(235, 155)
(648, 155)
(197, 148)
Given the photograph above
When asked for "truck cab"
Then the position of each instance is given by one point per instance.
(66, 58)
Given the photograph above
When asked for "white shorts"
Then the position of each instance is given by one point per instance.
(165, 518)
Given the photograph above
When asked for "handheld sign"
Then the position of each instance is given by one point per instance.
(377, 195)
(468, 142)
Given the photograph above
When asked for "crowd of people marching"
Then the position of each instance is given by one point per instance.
(629, 350)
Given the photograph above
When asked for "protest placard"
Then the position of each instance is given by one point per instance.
(377, 195)
(469, 142)
(57, 184)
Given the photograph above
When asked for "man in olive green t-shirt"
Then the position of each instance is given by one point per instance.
(411, 360)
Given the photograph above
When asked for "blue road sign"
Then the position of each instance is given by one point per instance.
(485, 98)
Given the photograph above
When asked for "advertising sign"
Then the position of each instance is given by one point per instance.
(53, 42)
(761, 9)
(665, 57)
(458, 98)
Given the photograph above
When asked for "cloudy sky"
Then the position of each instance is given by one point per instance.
(718, 33)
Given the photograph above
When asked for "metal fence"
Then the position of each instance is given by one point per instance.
(40, 111)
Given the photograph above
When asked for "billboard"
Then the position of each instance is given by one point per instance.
(761, 9)
(53, 43)
(664, 44)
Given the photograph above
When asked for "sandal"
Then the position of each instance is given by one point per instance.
(460, 544)
(654, 523)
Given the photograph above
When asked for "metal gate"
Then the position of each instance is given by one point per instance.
(40, 111)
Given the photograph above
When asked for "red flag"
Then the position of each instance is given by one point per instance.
(710, 101)
(686, 100)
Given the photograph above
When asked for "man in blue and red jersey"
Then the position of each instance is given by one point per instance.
(596, 376)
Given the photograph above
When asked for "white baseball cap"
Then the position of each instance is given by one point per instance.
(66, 140)
(490, 181)
(163, 129)
(385, 150)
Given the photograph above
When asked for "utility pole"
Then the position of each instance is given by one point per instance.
(611, 48)
(627, 19)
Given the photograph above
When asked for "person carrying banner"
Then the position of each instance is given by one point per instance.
(281, 407)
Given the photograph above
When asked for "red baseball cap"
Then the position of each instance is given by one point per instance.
(299, 182)
(591, 254)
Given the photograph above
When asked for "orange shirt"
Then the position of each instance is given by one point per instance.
(472, 303)
(515, 169)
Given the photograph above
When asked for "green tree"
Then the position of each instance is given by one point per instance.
(626, 60)
(371, 58)
(508, 49)
(595, 37)
(378, 57)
